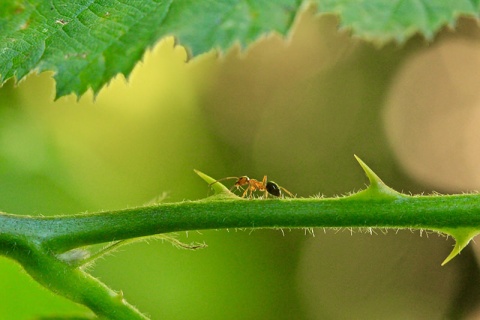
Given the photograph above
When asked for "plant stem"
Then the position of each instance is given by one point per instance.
(60, 234)
(63, 279)
(36, 242)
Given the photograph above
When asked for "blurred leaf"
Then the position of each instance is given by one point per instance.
(24, 298)
(65, 318)
(384, 20)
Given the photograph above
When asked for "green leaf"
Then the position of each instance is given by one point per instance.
(384, 20)
(87, 42)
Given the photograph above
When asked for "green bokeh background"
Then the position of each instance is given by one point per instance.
(296, 110)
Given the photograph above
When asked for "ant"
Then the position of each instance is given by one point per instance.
(269, 187)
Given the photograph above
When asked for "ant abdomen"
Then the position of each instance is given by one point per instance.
(273, 188)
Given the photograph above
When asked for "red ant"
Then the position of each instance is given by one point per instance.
(269, 187)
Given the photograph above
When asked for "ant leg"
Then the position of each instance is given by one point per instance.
(233, 187)
(264, 185)
(264, 181)
(275, 190)
(252, 188)
(289, 193)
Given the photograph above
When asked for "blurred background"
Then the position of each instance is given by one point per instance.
(295, 110)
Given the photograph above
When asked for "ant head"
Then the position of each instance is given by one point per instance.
(242, 180)
(273, 188)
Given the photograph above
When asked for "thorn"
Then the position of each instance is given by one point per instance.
(218, 188)
(119, 296)
(377, 188)
(462, 237)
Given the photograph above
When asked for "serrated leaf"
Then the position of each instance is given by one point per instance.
(384, 20)
(87, 42)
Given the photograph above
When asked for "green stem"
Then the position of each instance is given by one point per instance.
(63, 279)
(60, 234)
(37, 242)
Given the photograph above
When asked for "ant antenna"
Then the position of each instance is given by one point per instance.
(227, 178)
